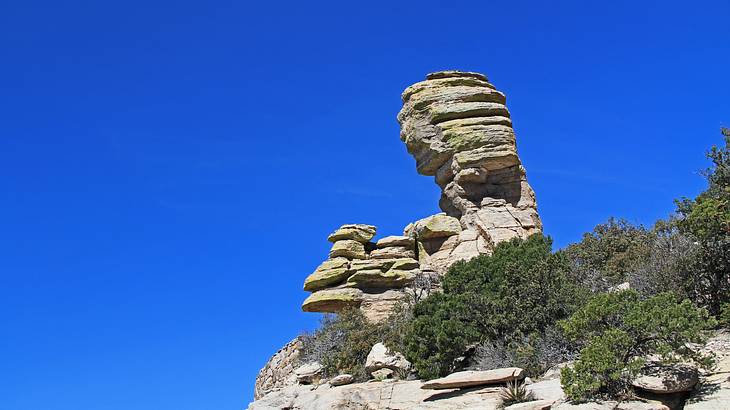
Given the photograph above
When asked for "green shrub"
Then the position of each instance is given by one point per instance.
(617, 330)
(606, 256)
(706, 220)
(342, 342)
(520, 289)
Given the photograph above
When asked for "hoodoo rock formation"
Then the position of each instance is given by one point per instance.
(459, 130)
(457, 127)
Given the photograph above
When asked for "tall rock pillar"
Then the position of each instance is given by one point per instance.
(459, 130)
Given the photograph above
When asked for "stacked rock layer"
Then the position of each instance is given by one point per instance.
(459, 130)
(361, 273)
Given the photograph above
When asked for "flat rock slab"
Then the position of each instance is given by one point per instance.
(531, 405)
(474, 378)
(342, 380)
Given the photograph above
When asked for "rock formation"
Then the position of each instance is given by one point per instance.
(459, 130)
(279, 370)
(457, 127)
(361, 273)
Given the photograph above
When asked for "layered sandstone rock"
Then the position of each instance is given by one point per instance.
(459, 130)
(360, 273)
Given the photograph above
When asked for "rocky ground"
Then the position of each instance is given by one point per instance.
(481, 390)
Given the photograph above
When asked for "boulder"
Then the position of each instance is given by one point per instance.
(309, 373)
(471, 378)
(382, 358)
(356, 232)
(390, 241)
(437, 226)
(549, 390)
(349, 249)
(393, 252)
(330, 272)
(332, 300)
(667, 379)
(342, 380)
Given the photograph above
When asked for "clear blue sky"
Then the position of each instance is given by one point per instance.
(170, 170)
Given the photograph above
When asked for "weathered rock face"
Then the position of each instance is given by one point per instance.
(457, 127)
(459, 130)
(376, 395)
(279, 370)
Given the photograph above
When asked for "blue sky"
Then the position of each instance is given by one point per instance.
(170, 170)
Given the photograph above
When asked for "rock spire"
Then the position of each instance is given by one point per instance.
(457, 127)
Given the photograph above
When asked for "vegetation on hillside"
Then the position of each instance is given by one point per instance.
(616, 331)
(528, 306)
(510, 296)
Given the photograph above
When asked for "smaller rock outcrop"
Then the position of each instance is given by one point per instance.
(360, 273)
(472, 378)
(380, 357)
(279, 370)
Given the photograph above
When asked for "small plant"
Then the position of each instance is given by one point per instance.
(515, 392)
